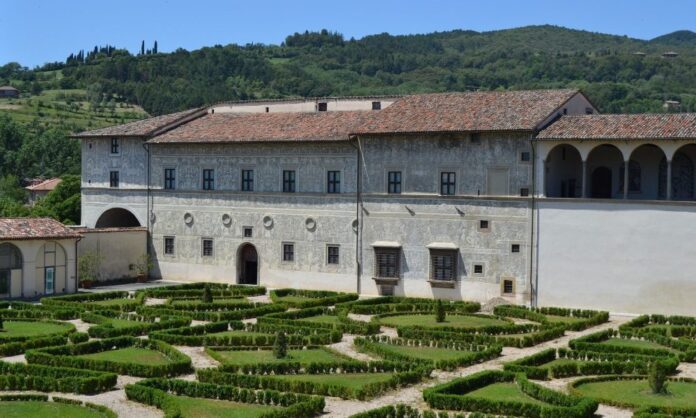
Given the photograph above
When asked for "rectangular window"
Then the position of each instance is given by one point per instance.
(288, 251)
(113, 179)
(478, 268)
(115, 146)
(376, 105)
(387, 262)
(169, 245)
(332, 254)
(322, 107)
(394, 182)
(525, 156)
(208, 179)
(247, 180)
(524, 192)
(443, 264)
(289, 181)
(207, 247)
(447, 183)
(169, 179)
(248, 232)
(483, 224)
(333, 182)
(515, 248)
(508, 286)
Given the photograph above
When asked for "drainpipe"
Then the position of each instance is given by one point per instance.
(533, 272)
(148, 213)
(358, 199)
(77, 274)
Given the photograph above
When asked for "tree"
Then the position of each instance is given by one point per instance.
(439, 311)
(280, 345)
(88, 267)
(10, 188)
(657, 377)
(142, 48)
(63, 202)
(207, 295)
(154, 48)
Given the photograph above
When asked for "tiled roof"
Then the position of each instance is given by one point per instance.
(34, 228)
(474, 111)
(46, 185)
(140, 128)
(642, 126)
(271, 127)
(8, 88)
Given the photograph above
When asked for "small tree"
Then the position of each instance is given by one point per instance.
(88, 267)
(280, 346)
(439, 311)
(1, 324)
(657, 377)
(207, 295)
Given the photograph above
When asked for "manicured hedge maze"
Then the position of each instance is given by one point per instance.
(322, 318)
(39, 406)
(505, 393)
(18, 376)
(22, 334)
(118, 301)
(646, 343)
(122, 355)
(296, 298)
(109, 324)
(174, 398)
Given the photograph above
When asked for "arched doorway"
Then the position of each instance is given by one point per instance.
(564, 172)
(11, 264)
(644, 178)
(117, 218)
(682, 174)
(601, 183)
(51, 269)
(248, 265)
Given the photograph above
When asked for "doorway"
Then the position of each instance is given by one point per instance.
(49, 280)
(248, 265)
(601, 183)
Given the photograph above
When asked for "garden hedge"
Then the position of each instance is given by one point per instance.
(238, 312)
(452, 396)
(19, 376)
(590, 318)
(158, 393)
(686, 351)
(367, 391)
(387, 304)
(509, 328)
(669, 326)
(108, 413)
(345, 324)
(405, 411)
(471, 353)
(30, 310)
(189, 290)
(12, 346)
(584, 363)
(67, 356)
(315, 297)
(670, 411)
(536, 335)
(104, 328)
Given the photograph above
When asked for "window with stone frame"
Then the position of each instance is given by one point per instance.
(115, 146)
(288, 251)
(207, 247)
(289, 181)
(247, 180)
(448, 183)
(332, 254)
(113, 179)
(333, 182)
(169, 245)
(169, 179)
(394, 182)
(208, 179)
(387, 262)
(443, 265)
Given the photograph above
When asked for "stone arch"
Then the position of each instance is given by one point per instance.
(644, 179)
(51, 269)
(247, 264)
(117, 218)
(563, 172)
(603, 165)
(11, 270)
(682, 178)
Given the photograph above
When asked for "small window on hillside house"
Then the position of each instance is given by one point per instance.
(376, 105)
(322, 107)
(169, 245)
(333, 182)
(208, 179)
(207, 247)
(247, 180)
(332, 254)
(288, 251)
(113, 179)
(115, 146)
(169, 178)
(394, 182)
(387, 262)
(448, 183)
(515, 248)
(508, 286)
(589, 111)
(443, 265)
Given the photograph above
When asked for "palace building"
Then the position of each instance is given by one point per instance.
(526, 195)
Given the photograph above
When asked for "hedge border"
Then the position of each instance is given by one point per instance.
(592, 318)
(317, 297)
(386, 304)
(108, 413)
(103, 328)
(54, 379)
(67, 356)
(686, 351)
(532, 338)
(158, 393)
(346, 324)
(509, 328)
(237, 314)
(196, 289)
(86, 301)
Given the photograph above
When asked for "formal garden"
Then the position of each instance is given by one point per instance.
(213, 350)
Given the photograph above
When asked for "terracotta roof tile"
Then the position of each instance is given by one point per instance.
(642, 126)
(144, 127)
(271, 127)
(473, 111)
(46, 185)
(34, 228)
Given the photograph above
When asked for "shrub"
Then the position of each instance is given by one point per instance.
(657, 377)
(207, 295)
(344, 324)
(314, 297)
(280, 346)
(439, 311)
(18, 376)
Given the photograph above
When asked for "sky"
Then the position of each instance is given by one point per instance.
(33, 32)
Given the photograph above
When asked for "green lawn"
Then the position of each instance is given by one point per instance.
(12, 329)
(457, 321)
(348, 380)
(503, 392)
(130, 355)
(322, 319)
(294, 299)
(34, 409)
(629, 343)
(638, 393)
(243, 357)
(425, 353)
(212, 408)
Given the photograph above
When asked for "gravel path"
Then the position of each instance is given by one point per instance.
(199, 358)
(260, 299)
(346, 347)
(15, 359)
(155, 301)
(80, 325)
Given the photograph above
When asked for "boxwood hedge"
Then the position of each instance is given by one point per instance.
(589, 318)
(686, 351)
(230, 313)
(345, 324)
(106, 412)
(146, 324)
(313, 297)
(196, 290)
(387, 304)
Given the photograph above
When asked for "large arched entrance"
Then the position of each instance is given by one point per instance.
(248, 265)
(117, 218)
(603, 166)
(11, 264)
(644, 179)
(682, 174)
(564, 172)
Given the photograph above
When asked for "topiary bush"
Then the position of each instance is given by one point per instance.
(280, 346)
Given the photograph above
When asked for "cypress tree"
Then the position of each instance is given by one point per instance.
(439, 311)
(154, 48)
(280, 346)
(142, 48)
(657, 377)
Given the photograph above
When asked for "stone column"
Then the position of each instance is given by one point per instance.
(584, 179)
(625, 184)
(669, 180)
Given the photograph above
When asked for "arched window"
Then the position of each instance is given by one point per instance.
(10, 257)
